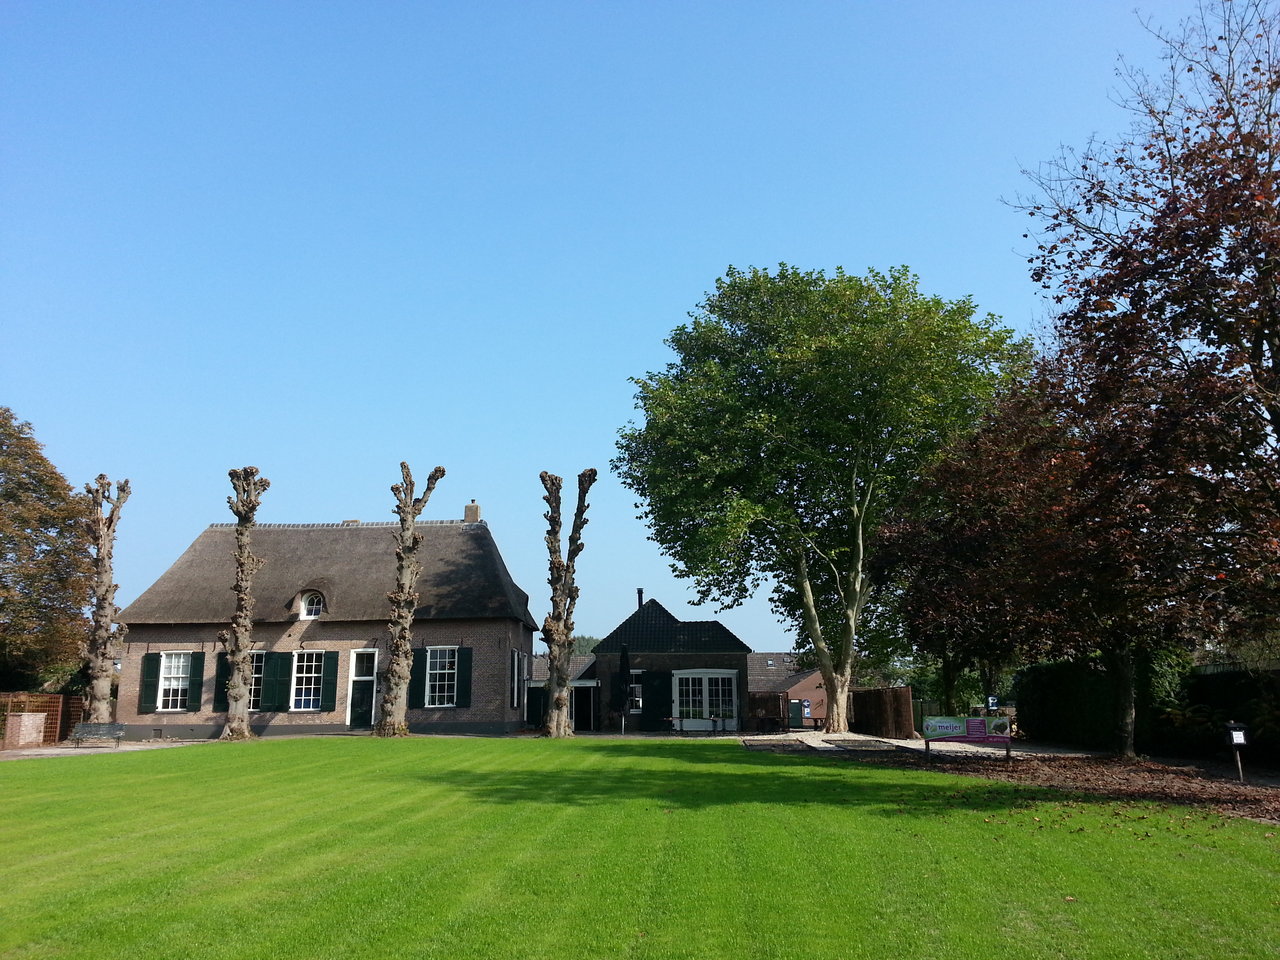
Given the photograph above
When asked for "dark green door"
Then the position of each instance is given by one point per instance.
(795, 715)
(363, 667)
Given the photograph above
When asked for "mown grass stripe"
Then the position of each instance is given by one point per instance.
(423, 848)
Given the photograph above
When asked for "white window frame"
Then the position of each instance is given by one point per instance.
(441, 681)
(519, 678)
(701, 679)
(179, 689)
(310, 598)
(315, 676)
(635, 693)
(257, 664)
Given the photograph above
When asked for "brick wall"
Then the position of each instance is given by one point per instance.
(607, 670)
(491, 641)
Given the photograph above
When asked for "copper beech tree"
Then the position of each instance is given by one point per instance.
(102, 645)
(404, 600)
(1161, 248)
(238, 641)
(557, 628)
(1059, 533)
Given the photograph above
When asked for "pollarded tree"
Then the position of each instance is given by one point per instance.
(392, 720)
(800, 410)
(557, 628)
(44, 561)
(238, 641)
(102, 646)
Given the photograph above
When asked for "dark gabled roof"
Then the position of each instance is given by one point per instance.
(352, 564)
(772, 672)
(651, 629)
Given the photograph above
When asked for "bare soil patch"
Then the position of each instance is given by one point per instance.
(1193, 783)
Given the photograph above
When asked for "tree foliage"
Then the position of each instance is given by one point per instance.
(1161, 246)
(1127, 504)
(1161, 249)
(44, 562)
(1057, 533)
(799, 412)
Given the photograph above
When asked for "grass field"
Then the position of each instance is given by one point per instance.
(471, 848)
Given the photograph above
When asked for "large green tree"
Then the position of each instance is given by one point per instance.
(44, 561)
(799, 411)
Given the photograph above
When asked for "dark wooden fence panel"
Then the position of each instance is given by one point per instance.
(883, 712)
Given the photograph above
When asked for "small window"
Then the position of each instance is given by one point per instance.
(312, 604)
(635, 698)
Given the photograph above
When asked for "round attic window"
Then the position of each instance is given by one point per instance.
(312, 605)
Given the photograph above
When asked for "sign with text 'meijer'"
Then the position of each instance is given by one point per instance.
(967, 729)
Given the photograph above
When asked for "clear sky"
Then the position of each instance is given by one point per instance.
(322, 238)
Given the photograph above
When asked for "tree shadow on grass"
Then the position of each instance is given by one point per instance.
(695, 776)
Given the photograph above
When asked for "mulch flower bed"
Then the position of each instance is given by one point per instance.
(1211, 785)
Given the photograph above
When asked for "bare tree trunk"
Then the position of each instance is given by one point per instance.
(837, 703)
(102, 646)
(238, 641)
(404, 600)
(557, 628)
(1121, 662)
(836, 666)
(948, 682)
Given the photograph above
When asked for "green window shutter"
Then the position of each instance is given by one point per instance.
(195, 682)
(149, 691)
(418, 679)
(462, 698)
(329, 682)
(221, 677)
(277, 680)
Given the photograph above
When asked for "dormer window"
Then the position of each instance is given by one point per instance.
(312, 605)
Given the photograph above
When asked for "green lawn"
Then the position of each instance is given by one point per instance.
(473, 848)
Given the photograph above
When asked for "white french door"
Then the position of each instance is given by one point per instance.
(705, 699)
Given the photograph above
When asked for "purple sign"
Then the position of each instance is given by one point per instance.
(967, 729)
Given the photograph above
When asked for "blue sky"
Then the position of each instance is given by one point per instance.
(323, 238)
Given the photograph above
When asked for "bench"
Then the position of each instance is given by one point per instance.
(97, 731)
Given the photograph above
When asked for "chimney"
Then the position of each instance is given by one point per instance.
(471, 513)
(639, 597)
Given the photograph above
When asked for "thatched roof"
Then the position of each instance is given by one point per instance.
(653, 629)
(352, 564)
